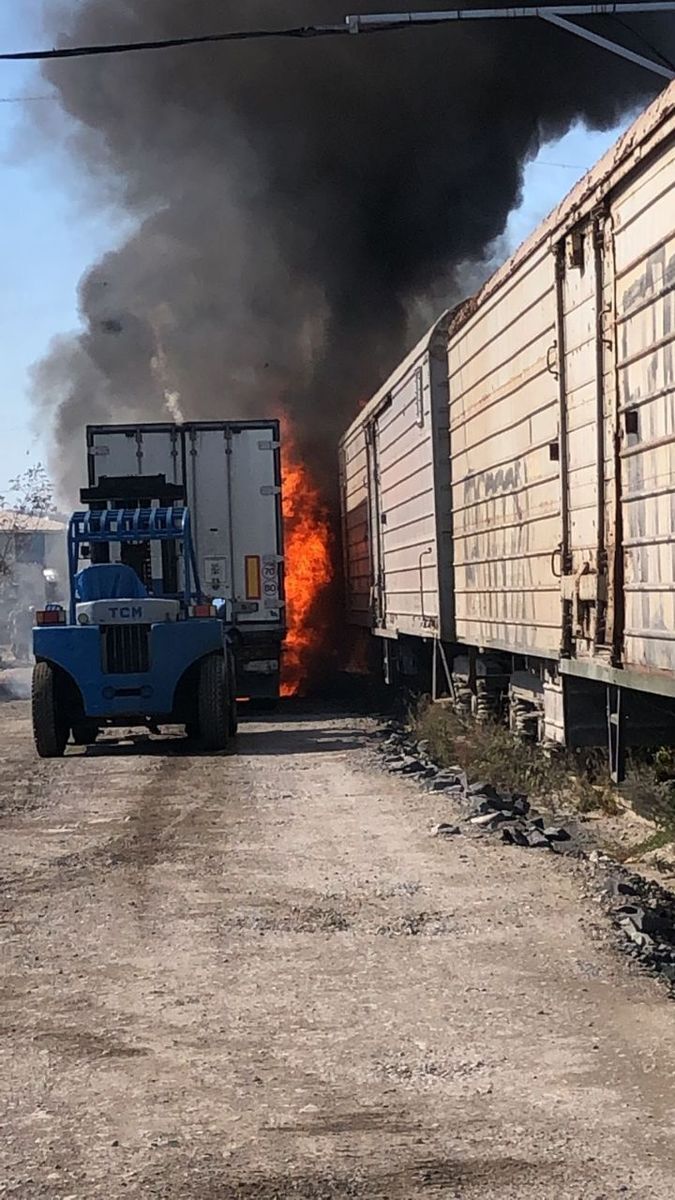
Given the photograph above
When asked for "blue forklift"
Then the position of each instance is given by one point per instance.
(140, 644)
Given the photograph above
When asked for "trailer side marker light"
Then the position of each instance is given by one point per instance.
(51, 616)
(253, 577)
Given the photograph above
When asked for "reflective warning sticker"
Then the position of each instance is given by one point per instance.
(253, 579)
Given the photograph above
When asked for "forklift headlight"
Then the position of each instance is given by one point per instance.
(82, 619)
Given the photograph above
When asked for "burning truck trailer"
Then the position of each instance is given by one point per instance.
(229, 475)
(179, 609)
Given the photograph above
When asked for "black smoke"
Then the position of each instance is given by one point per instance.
(302, 206)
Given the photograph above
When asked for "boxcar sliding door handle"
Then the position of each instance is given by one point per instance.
(421, 570)
(552, 360)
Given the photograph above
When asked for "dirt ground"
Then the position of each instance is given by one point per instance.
(260, 977)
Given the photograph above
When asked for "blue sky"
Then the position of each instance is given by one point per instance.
(50, 235)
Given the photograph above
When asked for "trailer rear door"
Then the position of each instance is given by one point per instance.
(256, 525)
(134, 450)
(234, 494)
(232, 476)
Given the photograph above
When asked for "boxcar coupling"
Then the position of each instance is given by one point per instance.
(508, 496)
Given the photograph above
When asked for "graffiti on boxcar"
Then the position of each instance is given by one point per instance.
(647, 361)
(657, 275)
(492, 483)
(638, 383)
(498, 568)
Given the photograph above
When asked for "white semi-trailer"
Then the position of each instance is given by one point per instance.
(228, 474)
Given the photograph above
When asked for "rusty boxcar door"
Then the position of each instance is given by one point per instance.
(580, 284)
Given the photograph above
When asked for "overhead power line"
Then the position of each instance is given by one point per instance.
(370, 23)
(240, 35)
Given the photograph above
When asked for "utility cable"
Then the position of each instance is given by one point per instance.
(244, 35)
(362, 26)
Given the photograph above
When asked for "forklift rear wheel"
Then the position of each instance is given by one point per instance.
(85, 735)
(50, 727)
(214, 703)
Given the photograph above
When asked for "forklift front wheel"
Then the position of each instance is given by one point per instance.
(50, 726)
(215, 703)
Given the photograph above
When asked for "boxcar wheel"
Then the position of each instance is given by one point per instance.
(214, 703)
(50, 726)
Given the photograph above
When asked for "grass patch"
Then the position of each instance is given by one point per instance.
(657, 841)
(650, 790)
(492, 754)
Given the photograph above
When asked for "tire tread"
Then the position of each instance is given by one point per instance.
(50, 731)
(214, 704)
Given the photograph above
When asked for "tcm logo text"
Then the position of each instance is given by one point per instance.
(126, 612)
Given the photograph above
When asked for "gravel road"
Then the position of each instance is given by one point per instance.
(259, 977)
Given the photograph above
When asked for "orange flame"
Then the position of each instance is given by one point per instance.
(308, 566)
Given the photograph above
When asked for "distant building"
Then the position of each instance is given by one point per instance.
(29, 547)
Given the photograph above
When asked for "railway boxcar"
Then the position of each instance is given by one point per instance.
(395, 495)
(560, 577)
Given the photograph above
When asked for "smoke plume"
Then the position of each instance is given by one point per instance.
(302, 206)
